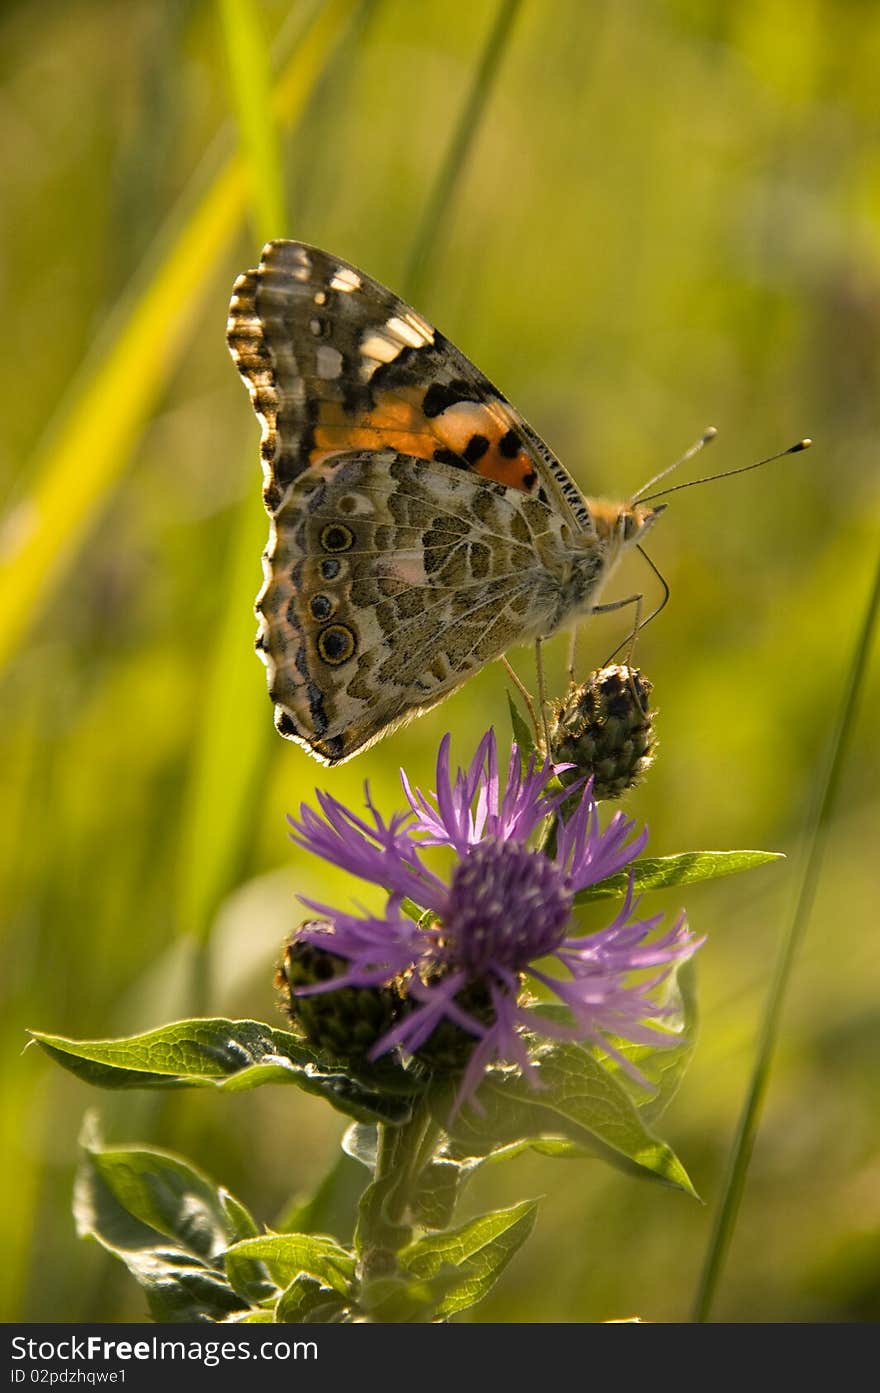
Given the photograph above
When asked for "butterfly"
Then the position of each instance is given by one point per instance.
(418, 526)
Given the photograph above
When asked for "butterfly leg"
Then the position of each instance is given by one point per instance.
(630, 638)
(633, 634)
(572, 656)
(542, 694)
(524, 693)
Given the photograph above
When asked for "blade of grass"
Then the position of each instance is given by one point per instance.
(232, 742)
(247, 56)
(815, 845)
(439, 204)
(84, 455)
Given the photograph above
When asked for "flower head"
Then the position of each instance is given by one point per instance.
(502, 916)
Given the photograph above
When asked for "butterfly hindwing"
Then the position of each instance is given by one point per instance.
(387, 585)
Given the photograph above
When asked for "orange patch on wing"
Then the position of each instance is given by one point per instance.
(395, 423)
(398, 422)
(517, 473)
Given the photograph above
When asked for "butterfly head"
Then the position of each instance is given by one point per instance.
(620, 525)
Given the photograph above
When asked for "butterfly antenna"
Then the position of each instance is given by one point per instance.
(727, 473)
(706, 438)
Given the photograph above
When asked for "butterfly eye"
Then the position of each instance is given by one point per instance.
(629, 526)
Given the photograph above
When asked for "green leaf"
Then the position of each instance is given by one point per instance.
(577, 1100)
(479, 1251)
(239, 1220)
(169, 1196)
(398, 1299)
(166, 1221)
(522, 732)
(309, 1301)
(230, 1055)
(287, 1256)
(437, 1194)
(684, 868)
(259, 1316)
(662, 1065)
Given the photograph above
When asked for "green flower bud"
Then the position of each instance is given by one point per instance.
(449, 1046)
(341, 1025)
(606, 730)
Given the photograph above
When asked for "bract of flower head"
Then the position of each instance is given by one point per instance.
(502, 916)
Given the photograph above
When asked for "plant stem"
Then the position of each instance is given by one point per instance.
(816, 842)
(441, 198)
(383, 1227)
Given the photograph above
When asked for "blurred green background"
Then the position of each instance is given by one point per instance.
(670, 217)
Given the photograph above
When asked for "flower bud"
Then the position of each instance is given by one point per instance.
(606, 730)
(342, 1025)
(449, 1046)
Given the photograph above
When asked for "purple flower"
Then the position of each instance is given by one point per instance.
(507, 905)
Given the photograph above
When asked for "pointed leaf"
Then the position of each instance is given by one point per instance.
(685, 868)
(522, 733)
(232, 1055)
(577, 1100)
(287, 1256)
(662, 1065)
(309, 1301)
(437, 1193)
(479, 1250)
(239, 1220)
(169, 1196)
(166, 1222)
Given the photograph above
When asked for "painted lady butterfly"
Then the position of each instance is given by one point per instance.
(419, 527)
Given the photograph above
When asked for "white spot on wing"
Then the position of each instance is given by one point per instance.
(345, 279)
(328, 362)
(375, 345)
(412, 331)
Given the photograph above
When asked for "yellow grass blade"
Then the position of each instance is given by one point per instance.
(250, 76)
(232, 740)
(86, 454)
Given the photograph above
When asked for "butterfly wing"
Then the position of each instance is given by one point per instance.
(417, 520)
(336, 362)
(388, 584)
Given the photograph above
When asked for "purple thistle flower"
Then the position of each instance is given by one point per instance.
(507, 905)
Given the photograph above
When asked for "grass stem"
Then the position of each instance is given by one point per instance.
(816, 842)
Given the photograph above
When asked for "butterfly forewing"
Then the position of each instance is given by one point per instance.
(334, 361)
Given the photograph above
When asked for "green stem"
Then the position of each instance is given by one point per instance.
(816, 843)
(386, 1205)
(440, 201)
